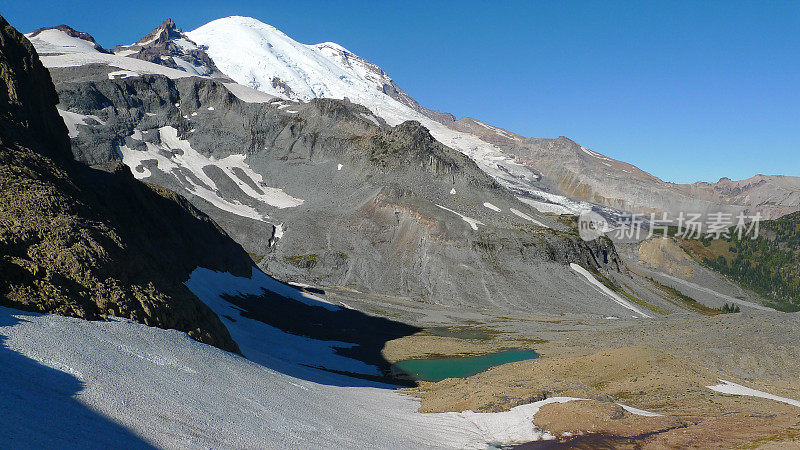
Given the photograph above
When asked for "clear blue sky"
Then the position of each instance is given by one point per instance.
(685, 90)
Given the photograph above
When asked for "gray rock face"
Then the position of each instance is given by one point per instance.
(378, 209)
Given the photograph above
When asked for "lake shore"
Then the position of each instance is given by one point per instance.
(663, 367)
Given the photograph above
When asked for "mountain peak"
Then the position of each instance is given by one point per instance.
(262, 57)
(246, 21)
(160, 34)
(64, 39)
(168, 24)
(68, 30)
(168, 46)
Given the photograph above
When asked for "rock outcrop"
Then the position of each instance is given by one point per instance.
(168, 46)
(87, 242)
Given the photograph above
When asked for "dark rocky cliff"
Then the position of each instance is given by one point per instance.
(93, 242)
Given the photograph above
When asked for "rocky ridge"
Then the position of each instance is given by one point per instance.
(570, 169)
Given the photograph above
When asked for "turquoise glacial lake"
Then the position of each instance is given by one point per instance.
(437, 369)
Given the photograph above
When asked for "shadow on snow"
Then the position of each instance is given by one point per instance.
(39, 407)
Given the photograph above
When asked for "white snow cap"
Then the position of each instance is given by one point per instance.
(255, 54)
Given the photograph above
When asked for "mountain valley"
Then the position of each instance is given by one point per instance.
(226, 238)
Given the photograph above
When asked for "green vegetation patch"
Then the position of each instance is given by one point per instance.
(303, 261)
(679, 298)
(768, 265)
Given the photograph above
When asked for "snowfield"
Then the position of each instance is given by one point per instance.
(130, 65)
(256, 54)
(56, 41)
(74, 383)
(267, 345)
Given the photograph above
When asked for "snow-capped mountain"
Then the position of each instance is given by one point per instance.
(262, 57)
(315, 190)
(284, 67)
(554, 174)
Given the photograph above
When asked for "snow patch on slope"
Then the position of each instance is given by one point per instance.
(177, 156)
(121, 74)
(728, 387)
(491, 206)
(613, 295)
(527, 217)
(72, 120)
(189, 67)
(248, 94)
(472, 222)
(595, 154)
(639, 412)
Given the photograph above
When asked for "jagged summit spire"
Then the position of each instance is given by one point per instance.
(161, 33)
(168, 46)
